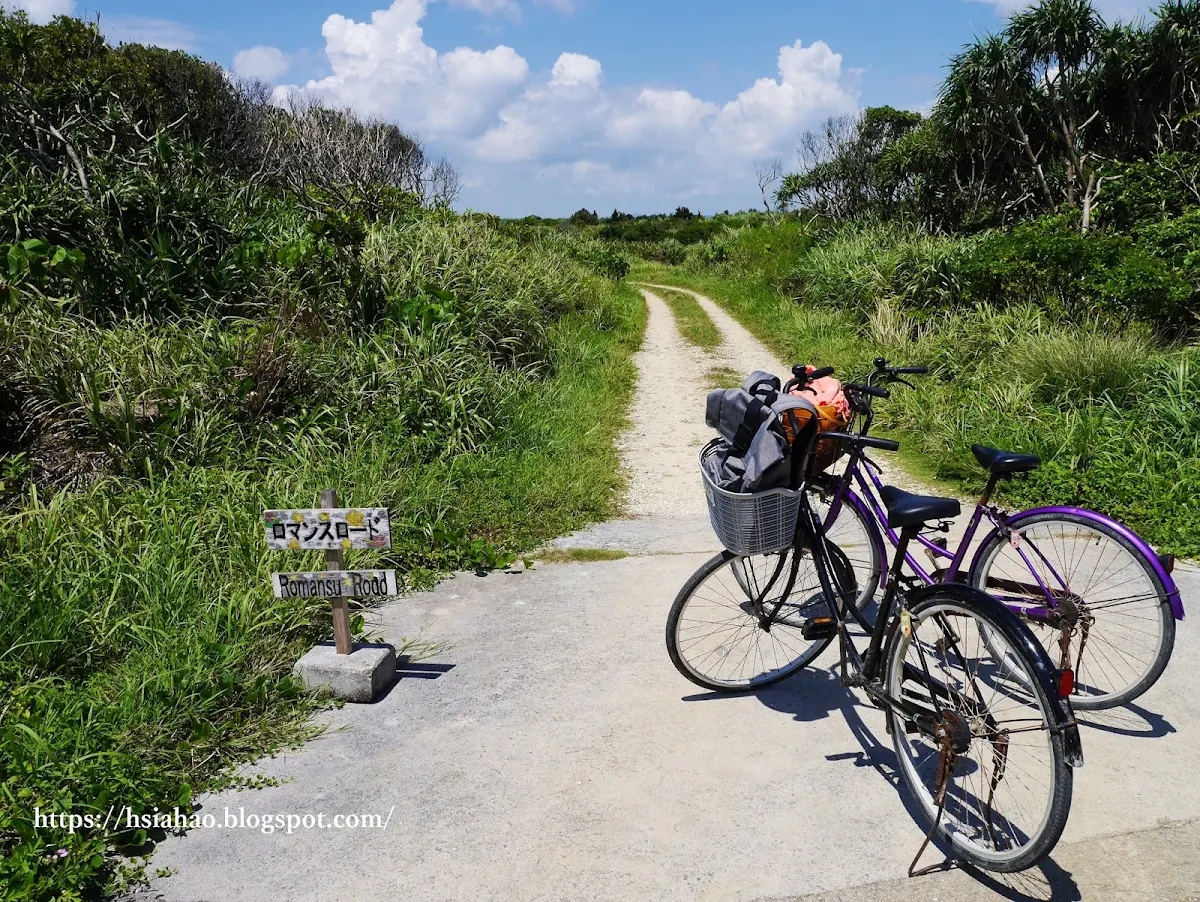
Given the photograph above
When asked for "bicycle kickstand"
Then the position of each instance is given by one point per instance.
(947, 759)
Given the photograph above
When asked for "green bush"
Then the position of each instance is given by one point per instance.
(1149, 191)
(771, 251)
(1050, 263)
(1045, 262)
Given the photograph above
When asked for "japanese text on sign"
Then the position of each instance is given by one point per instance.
(328, 529)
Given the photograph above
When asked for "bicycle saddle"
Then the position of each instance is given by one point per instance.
(1001, 463)
(904, 509)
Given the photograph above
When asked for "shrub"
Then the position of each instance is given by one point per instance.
(584, 217)
(1074, 275)
(668, 251)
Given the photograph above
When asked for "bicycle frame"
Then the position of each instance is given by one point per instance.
(873, 511)
(810, 534)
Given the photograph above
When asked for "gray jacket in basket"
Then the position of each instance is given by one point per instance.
(754, 454)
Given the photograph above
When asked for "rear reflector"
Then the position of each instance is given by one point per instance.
(1168, 562)
(1066, 682)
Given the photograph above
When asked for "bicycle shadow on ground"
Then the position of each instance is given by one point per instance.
(808, 696)
(1129, 720)
(815, 694)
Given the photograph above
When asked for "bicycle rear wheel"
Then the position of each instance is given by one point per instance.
(1110, 587)
(978, 745)
(716, 635)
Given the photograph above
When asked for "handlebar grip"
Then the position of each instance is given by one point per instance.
(867, 441)
(883, 444)
(910, 370)
(871, 390)
(820, 374)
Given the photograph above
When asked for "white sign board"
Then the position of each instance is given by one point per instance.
(336, 584)
(328, 529)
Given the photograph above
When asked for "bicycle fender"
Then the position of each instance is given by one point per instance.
(1165, 578)
(1024, 641)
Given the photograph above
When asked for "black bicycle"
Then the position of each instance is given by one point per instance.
(983, 738)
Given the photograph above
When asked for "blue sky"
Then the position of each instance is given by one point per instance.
(549, 105)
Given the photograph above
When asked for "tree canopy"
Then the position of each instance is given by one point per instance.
(1041, 117)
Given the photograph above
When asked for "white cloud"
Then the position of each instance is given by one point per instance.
(41, 11)
(1125, 10)
(152, 32)
(566, 111)
(267, 63)
(571, 112)
(576, 69)
(566, 129)
(384, 67)
(657, 116)
(771, 112)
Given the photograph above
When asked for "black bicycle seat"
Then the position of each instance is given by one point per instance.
(1001, 463)
(904, 509)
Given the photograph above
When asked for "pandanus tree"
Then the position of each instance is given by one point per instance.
(1032, 88)
(1173, 67)
(991, 92)
(1057, 41)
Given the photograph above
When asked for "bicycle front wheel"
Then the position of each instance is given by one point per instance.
(976, 750)
(718, 634)
(1123, 629)
(856, 534)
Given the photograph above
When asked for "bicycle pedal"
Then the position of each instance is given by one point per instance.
(819, 628)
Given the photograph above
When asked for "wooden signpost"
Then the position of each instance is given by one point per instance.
(335, 531)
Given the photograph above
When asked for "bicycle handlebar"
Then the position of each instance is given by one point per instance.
(800, 371)
(882, 368)
(801, 377)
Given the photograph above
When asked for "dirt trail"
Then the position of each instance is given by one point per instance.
(667, 416)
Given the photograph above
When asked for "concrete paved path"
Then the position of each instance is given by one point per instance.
(552, 752)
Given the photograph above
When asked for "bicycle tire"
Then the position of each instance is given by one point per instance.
(1090, 672)
(863, 555)
(968, 823)
(702, 665)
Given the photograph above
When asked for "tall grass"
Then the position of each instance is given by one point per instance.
(141, 650)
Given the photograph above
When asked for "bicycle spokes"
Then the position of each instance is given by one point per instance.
(1090, 600)
(742, 621)
(977, 740)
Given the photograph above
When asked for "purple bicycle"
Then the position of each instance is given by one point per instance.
(1099, 599)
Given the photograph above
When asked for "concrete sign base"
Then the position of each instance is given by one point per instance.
(361, 676)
